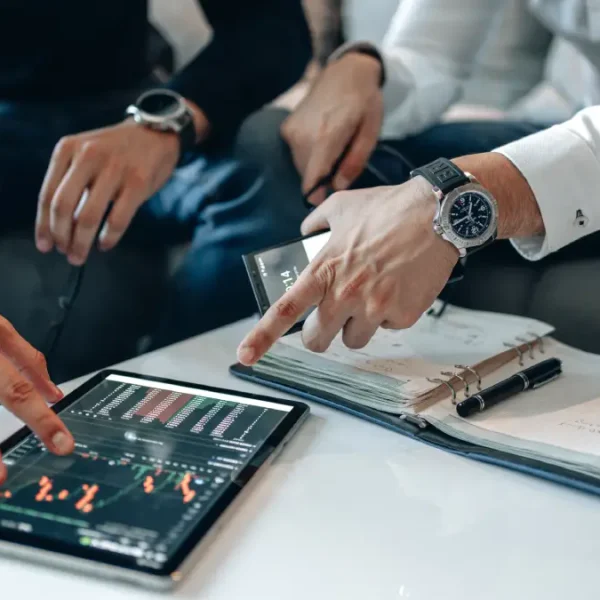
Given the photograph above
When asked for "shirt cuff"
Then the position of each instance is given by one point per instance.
(561, 170)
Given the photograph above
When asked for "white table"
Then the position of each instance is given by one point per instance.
(351, 511)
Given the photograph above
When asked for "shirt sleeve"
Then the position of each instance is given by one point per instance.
(429, 51)
(258, 50)
(562, 166)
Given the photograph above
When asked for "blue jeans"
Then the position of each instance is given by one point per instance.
(213, 210)
(218, 207)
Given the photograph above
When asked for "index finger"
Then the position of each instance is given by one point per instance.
(28, 360)
(281, 317)
(21, 398)
(59, 164)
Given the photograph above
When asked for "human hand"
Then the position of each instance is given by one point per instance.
(124, 164)
(24, 388)
(343, 112)
(383, 267)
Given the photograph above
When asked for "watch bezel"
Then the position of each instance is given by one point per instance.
(164, 121)
(442, 218)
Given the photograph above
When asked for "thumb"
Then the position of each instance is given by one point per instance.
(317, 220)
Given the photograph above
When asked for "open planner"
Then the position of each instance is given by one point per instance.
(410, 381)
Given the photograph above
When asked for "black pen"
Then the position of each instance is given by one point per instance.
(529, 379)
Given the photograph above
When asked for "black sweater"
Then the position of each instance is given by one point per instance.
(55, 49)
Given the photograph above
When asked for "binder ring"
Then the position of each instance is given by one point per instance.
(530, 344)
(474, 372)
(447, 384)
(517, 350)
(539, 341)
(464, 381)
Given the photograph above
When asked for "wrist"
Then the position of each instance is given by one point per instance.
(518, 212)
(366, 49)
(427, 205)
(169, 140)
(369, 66)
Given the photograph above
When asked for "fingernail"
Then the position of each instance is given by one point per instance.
(246, 355)
(62, 442)
(44, 245)
(76, 261)
(58, 392)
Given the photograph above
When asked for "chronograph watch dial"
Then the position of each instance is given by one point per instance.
(467, 212)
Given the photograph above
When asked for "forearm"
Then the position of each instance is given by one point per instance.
(546, 185)
(257, 51)
(518, 211)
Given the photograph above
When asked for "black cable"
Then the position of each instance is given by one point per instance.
(65, 303)
(66, 300)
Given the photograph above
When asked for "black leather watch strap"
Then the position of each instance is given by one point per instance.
(442, 174)
(187, 137)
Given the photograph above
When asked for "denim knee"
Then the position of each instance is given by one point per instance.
(279, 198)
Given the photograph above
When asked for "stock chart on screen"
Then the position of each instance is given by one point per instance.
(150, 461)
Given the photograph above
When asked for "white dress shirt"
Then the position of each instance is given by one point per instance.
(429, 52)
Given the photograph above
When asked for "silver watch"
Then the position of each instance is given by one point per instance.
(467, 213)
(165, 110)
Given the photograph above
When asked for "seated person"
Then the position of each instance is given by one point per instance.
(69, 71)
(385, 264)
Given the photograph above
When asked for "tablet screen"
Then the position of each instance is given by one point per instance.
(151, 460)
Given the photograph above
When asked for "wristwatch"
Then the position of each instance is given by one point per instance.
(165, 110)
(467, 213)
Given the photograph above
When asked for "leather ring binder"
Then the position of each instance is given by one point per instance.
(474, 372)
(415, 420)
(517, 350)
(461, 378)
(530, 344)
(446, 383)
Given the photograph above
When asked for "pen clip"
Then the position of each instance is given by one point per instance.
(535, 386)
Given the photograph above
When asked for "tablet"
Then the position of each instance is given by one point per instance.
(156, 464)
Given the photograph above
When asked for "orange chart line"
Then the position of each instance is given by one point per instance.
(149, 484)
(85, 503)
(184, 484)
(45, 487)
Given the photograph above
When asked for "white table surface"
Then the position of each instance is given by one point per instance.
(352, 511)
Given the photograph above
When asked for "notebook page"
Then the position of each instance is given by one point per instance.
(559, 422)
(432, 345)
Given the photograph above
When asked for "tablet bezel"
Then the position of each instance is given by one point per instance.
(278, 436)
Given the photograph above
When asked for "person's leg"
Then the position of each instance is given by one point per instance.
(243, 204)
(117, 302)
(232, 207)
(392, 160)
(497, 279)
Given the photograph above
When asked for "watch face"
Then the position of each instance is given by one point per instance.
(471, 215)
(161, 103)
